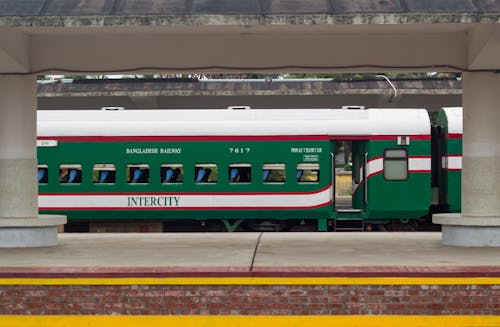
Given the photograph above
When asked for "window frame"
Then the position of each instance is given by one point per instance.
(140, 166)
(46, 167)
(70, 166)
(239, 165)
(309, 167)
(210, 166)
(270, 166)
(97, 167)
(179, 179)
(402, 159)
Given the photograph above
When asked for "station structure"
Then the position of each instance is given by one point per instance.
(249, 279)
(200, 92)
(126, 37)
(43, 37)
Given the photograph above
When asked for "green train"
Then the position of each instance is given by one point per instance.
(249, 169)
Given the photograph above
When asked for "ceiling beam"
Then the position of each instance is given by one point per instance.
(14, 51)
(104, 53)
(484, 47)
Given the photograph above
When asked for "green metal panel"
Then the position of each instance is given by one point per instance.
(451, 179)
(222, 153)
(401, 199)
(386, 199)
(358, 151)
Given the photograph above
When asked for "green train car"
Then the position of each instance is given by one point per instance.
(449, 158)
(254, 169)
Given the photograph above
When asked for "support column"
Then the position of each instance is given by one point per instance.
(20, 224)
(479, 222)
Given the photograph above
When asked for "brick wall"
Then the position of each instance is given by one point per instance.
(250, 299)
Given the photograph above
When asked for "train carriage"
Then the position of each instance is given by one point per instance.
(239, 167)
(449, 158)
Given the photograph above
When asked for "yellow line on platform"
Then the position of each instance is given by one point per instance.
(249, 321)
(255, 281)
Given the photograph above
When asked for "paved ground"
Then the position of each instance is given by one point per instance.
(250, 252)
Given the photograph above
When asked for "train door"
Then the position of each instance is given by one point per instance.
(349, 170)
(438, 188)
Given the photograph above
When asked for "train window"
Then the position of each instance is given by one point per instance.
(205, 173)
(104, 174)
(43, 174)
(240, 173)
(172, 174)
(395, 164)
(273, 173)
(138, 174)
(307, 173)
(70, 174)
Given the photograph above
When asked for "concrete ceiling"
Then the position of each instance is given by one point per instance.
(90, 36)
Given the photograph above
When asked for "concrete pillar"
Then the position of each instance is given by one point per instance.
(479, 222)
(20, 224)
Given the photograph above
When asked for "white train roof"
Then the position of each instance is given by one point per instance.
(233, 122)
(455, 120)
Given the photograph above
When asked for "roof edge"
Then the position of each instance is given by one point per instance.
(103, 21)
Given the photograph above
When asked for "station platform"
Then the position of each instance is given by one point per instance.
(244, 279)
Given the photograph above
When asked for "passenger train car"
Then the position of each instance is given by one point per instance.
(448, 153)
(263, 169)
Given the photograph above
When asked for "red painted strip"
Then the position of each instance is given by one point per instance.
(420, 157)
(186, 193)
(351, 137)
(459, 155)
(256, 271)
(187, 208)
(454, 136)
(357, 187)
(378, 137)
(375, 173)
(409, 157)
(186, 138)
(226, 138)
(378, 271)
(375, 158)
(410, 171)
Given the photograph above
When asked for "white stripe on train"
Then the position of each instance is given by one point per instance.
(415, 164)
(452, 162)
(186, 200)
(376, 166)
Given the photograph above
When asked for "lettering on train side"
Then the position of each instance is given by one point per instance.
(239, 150)
(153, 150)
(171, 150)
(153, 201)
(310, 157)
(306, 150)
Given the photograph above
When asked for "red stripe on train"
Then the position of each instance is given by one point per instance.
(454, 136)
(226, 138)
